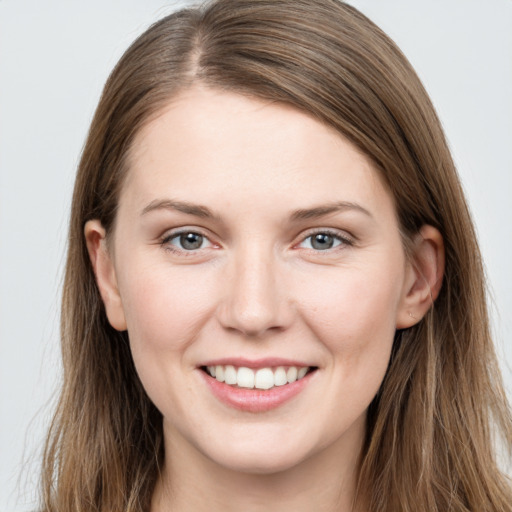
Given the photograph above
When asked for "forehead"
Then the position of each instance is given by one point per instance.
(224, 145)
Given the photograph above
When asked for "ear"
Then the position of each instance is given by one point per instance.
(424, 277)
(95, 238)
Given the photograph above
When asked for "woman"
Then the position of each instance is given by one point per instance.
(264, 214)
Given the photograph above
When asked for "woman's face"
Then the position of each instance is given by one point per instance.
(256, 244)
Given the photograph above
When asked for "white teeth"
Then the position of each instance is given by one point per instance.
(301, 373)
(230, 375)
(219, 373)
(263, 378)
(280, 377)
(245, 378)
(291, 374)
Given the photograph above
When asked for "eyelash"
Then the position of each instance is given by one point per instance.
(166, 242)
(344, 241)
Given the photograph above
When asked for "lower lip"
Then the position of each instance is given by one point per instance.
(255, 400)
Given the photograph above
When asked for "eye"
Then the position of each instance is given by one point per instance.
(187, 241)
(323, 241)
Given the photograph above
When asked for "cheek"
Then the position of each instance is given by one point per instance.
(165, 307)
(165, 311)
(353, 314)
(353, 311)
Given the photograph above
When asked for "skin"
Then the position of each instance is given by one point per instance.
(258, 288)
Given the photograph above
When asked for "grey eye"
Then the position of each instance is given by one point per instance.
(188, 241)
(191, 241)
(321, 241)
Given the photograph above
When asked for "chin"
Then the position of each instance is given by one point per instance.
(263, 458)
(260, 464)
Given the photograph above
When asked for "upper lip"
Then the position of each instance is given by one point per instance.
(266, 362)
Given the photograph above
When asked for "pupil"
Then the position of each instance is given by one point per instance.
(191, 241)
(322, 241)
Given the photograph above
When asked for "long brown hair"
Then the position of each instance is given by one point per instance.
(433, 427)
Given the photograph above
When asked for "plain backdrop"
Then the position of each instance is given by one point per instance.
(55, 57)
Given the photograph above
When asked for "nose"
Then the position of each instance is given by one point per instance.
(255, 301)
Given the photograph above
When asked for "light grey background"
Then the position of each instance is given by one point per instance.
(54, 59)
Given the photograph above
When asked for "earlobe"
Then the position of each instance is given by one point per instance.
(424, 277)
(95, 238)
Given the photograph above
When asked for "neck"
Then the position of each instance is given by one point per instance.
(324, 482)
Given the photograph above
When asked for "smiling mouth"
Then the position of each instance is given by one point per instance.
(262, 378)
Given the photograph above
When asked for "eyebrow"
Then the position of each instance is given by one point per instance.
(181, 206)
(296, 216)
(323, 210)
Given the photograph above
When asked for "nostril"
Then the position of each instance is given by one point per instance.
(254, 299)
